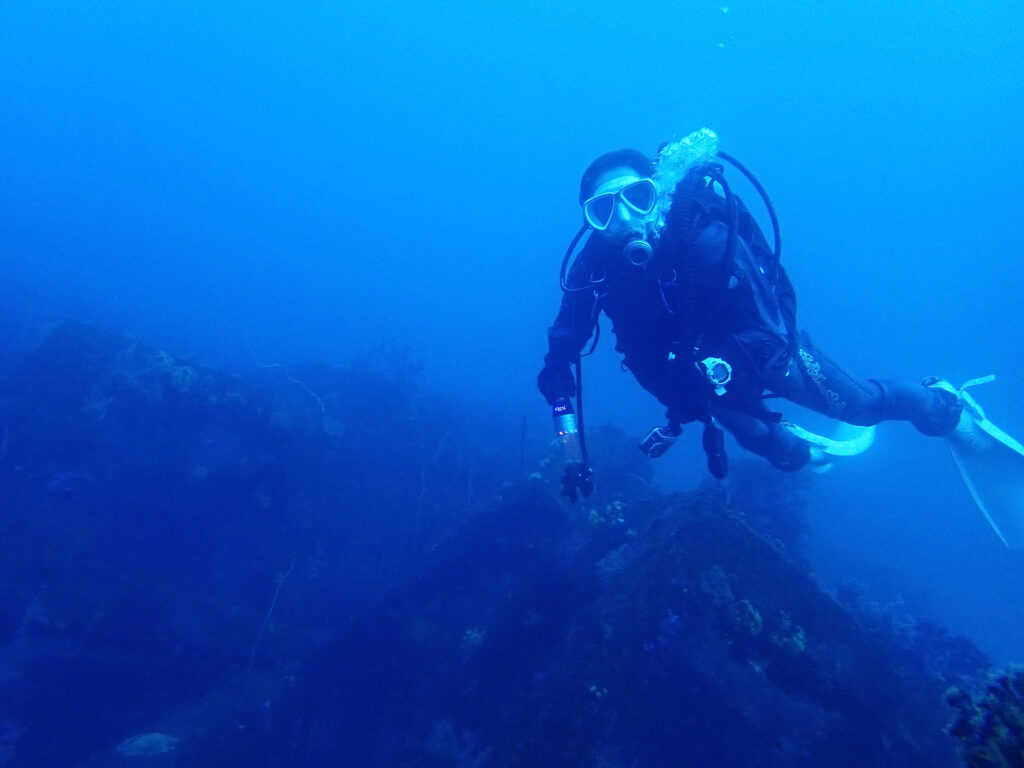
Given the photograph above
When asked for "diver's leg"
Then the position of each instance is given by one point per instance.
(766, 438)
(815, 381)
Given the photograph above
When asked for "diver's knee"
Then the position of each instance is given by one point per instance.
(779, 446)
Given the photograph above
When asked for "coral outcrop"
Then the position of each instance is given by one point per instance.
(332, 566)
(990, 724)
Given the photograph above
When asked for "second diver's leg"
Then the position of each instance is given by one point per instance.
(769, 439)
(815, 381)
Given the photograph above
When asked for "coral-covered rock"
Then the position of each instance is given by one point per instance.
(330, 566)
(990, 724)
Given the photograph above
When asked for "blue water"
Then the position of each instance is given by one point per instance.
(254, 183)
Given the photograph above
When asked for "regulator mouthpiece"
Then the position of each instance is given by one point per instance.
(639, 252)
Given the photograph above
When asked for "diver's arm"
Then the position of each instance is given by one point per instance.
(570, 332)
(555, 380)
(572, 328)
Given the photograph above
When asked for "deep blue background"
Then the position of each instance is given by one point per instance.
(281, 182)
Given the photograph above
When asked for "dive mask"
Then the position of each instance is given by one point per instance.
(638, 196)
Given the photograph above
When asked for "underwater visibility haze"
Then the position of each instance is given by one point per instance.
(276, 482)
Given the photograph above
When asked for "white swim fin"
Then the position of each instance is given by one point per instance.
(848, 440)
(992, 466)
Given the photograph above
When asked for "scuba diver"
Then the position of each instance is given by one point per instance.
(705, 317)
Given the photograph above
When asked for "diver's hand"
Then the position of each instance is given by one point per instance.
(577, 478)
(556, 380)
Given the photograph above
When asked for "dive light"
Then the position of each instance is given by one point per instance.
(567, 429)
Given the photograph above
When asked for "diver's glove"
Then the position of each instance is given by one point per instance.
(577, 478)
(556, 381)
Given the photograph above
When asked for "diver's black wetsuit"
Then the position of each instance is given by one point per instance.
(689, 303)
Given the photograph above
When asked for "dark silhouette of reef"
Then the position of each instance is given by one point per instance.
(328, 566)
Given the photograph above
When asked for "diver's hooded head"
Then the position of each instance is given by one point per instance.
(613, 164)
(618, 196)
